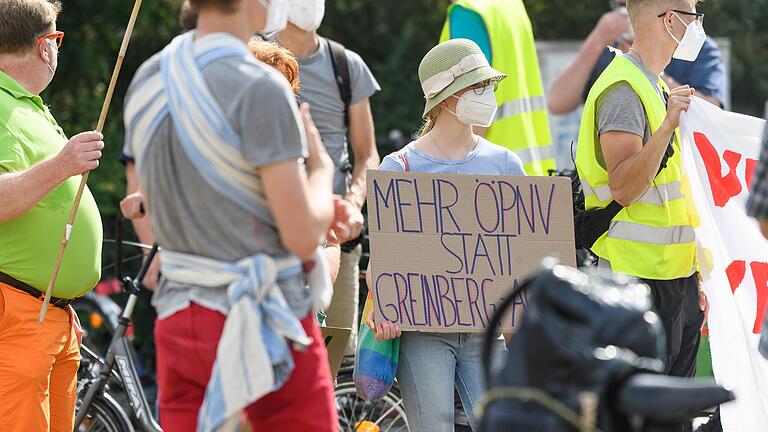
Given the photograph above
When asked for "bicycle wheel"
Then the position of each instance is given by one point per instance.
(105, 415)
(388, 414)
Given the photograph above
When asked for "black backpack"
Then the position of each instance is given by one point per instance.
(341, 71)
(590, 225)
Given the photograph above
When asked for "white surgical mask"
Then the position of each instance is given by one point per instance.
(307, 14)
(689, 47)
(277, 15)
(474, 109)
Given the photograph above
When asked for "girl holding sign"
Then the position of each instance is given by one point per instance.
(459, 87)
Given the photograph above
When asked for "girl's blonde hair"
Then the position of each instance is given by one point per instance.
(429, 122)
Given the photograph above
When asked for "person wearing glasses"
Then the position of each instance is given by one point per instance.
(629, 163)
(459, 90)
(40, 170)
(706, 73)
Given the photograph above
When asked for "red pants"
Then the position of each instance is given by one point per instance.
(186, 349)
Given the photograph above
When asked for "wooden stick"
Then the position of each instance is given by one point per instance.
(84, 179)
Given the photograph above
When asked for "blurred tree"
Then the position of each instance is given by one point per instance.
(94, 31)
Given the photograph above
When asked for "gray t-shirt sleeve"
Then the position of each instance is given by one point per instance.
(145, 71)
(269, 123)
(363, 83)
(620, 109)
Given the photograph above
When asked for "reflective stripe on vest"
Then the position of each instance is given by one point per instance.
(535, 154)
(647, 234)
(655, 195)
(521, 106)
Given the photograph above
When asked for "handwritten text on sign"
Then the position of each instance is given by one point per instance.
(447, 248)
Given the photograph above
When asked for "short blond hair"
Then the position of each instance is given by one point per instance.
(279, 58)
(22, 22)
(636, 8)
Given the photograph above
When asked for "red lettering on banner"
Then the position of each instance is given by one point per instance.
(723, 188)
(760, 274)
(749, 173)
(735, 273)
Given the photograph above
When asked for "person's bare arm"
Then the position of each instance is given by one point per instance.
(22, 190)
(333, 255)
(363, 141)
(301, 201)
(135, 208)
(631, 165)
(566, 92)
(764, 227)
(711, 99)
(671, 83)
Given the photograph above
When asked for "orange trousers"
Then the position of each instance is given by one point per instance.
(38, 365)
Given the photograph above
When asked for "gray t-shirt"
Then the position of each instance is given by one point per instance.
(619, 109)
(188, 215)
(320, 90)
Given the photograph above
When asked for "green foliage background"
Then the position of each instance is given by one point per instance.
(391, 35)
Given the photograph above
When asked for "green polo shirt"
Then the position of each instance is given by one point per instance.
(29, 244)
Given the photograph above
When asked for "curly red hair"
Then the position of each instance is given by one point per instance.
(279, 58)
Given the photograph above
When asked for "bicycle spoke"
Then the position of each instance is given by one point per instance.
(124, 260)
(386, 413)
(348, 421)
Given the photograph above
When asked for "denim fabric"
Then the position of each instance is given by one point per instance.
(431, 365)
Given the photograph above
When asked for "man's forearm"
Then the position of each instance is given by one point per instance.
(143, 228)
(321, 196)
(358, 186)
(567, 91)
(20, 191)
(631, 178)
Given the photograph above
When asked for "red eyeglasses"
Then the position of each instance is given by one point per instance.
(59, 36)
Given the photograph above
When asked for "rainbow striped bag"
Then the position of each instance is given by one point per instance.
(375, 362)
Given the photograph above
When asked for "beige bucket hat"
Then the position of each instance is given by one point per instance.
(452, 66)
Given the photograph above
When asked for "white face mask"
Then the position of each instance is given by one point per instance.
(689, 47)
(474, 109)
(307, 14)
(277, 15)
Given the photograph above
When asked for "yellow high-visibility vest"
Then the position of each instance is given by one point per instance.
(652, 238)
(521, 123)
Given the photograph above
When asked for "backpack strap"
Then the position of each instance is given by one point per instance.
(341, 73)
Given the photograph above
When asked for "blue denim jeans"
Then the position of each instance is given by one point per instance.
(430, 366)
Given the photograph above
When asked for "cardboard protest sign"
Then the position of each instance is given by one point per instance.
(335, 342)
(446, 248)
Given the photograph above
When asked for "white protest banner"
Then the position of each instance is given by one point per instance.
(720, 152)
(446, 248)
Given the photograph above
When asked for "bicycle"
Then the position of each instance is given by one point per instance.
(359, 415)
(97, 409)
